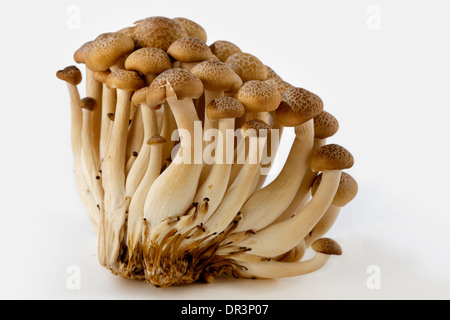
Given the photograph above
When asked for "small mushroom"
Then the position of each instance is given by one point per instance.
(347, 191)
(281, 237)
(324, 248)
(189, 51)
(192, 28)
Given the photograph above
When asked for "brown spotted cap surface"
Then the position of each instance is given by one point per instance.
(247, 66)
(347, 191)
(224, 108)
(325, 125)
(192, 28)
(216, 75)
(88, 103)
(71, 75)
(327, 246)
(189, 49)
(281, 85)
(224, 49)
(125, 80)
(184, 84)
(80, 55)
(331, 157)
(259, 96)
(107, 50)
(148, 61)
(158, 32)
(298, 106)
(256, 128)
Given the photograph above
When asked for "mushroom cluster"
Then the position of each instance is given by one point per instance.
(165, 213)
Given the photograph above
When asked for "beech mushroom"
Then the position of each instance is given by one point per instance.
(157, 32)
(72, 76)
(324, 248)
(109, 101)
(178, 87)
(224, 110)
(217, 78)
(283, 236)
(347, 191)
(162, 212)
(148, 61)
(325, 126)
(256, 131)
(189, 51)
(125, 82)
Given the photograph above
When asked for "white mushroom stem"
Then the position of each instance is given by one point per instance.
(272, 149)
(136, 211)
(215, 185)
(135, 139)
(139, 167)
(180, 180)
(114, 173)
(76, 128)
(239, 192)
(324, 225)
(281, 237)
(109, 101)
(168, 127)
(90, 162)
(276, 269)
(303, 193)
(94, 90)
(210, 96)
(267, 204)
(296, 254)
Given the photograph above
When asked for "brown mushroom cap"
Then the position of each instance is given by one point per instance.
(256, 128)
(158, 32)
(216, 75)
(298, 106)
(325, 125)
(148, 61)
(156, 140)
(129, 31)
(107, 50)
(327, 246)
(71, 75)
(184, 84)
(247, 66)
(192, 28)
(259, 96)
(281, 85)
(347, 191)
(124, 80)
(80, 55)
(88, 103)
(190, 49)
(224, 49)
(101, 76)
(224, 108)
(140, 96)
(331, 157)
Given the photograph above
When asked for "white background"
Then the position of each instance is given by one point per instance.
(381, 67)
